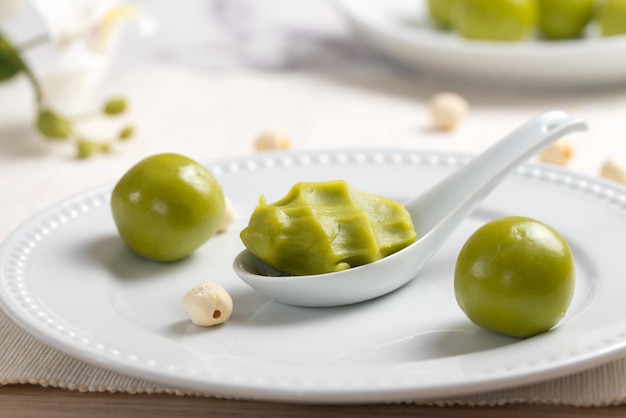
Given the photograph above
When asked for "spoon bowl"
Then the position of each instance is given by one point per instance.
(435, 213)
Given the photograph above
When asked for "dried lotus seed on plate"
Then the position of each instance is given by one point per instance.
(448, 110)
(559, 153)
(615, 170)
(208, 304)
(270, 141)
(229, 216)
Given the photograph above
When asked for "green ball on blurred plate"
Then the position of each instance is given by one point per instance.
(499, 20)
(612, 18)
(564, 19)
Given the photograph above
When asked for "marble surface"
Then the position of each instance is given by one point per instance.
(227, 35)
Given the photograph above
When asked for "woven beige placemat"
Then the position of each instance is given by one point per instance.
(26, 360)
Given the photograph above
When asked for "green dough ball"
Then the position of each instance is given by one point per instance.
(612, 18)
(515, 276)
(166, 206)
(495, 20)
(564, 19)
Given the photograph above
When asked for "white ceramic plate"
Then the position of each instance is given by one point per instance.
(401, 29)
(66, 278)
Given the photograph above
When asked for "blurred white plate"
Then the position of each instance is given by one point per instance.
(66, 277)
(401, 29)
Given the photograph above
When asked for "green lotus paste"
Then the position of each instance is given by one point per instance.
(325, 227)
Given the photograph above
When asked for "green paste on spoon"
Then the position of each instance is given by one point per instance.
(323, 227)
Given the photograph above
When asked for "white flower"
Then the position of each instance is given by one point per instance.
(94, 23)
(85, 34)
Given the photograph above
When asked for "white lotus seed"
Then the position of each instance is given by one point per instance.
(614, 170)
(208, 304)
(559, 153)
(448, 110)
(270, 141)
(229, 216)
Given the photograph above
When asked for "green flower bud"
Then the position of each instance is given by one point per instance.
(126, 133)
(10, 62)
(53, 126)
(104, 147)
(115, 107)
(85, 148)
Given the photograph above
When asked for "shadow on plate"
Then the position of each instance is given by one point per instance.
(430, 346)
(111, 252)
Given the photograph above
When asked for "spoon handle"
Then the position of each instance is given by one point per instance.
(472, 182)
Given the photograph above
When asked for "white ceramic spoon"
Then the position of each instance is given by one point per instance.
(436, 214)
